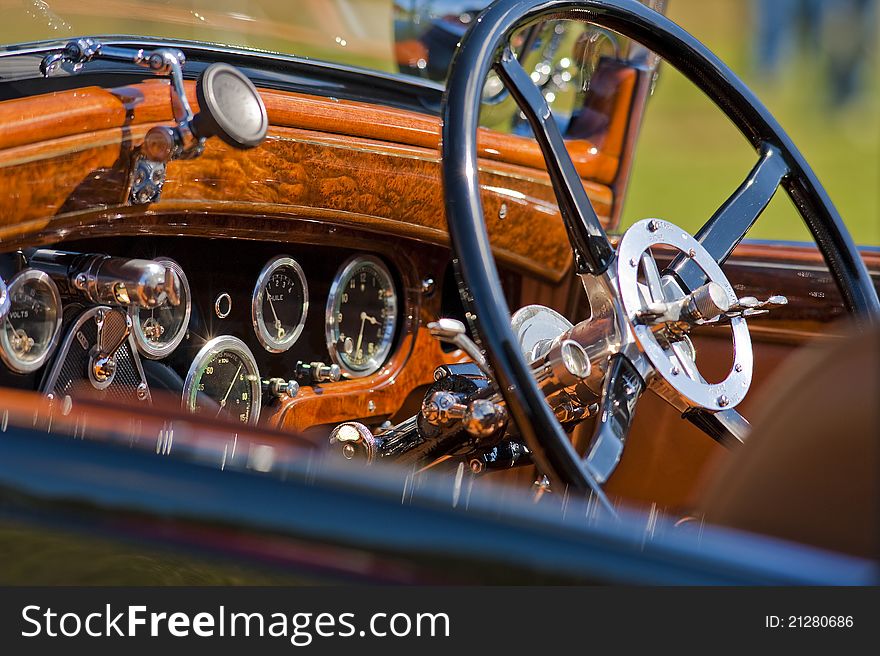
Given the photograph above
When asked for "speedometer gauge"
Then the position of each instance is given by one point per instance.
(158, 331)
(280, 304)
(223, 380)
(361, 316)
(30, 330)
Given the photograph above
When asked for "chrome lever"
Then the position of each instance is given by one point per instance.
(453, 331)
(229, 107)
(746, 307)
(114, 327)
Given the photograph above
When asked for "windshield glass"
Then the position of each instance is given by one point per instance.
(354, 32)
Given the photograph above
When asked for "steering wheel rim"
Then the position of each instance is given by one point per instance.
(780, 164)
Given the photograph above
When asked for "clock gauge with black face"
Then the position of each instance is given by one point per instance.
(223, 381)
(280, 304)
(361, 316)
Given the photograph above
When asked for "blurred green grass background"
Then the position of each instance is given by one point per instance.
(689, 158)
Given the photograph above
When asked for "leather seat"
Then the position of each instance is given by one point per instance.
(810, 471)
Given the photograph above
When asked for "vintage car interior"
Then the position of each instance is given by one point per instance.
(224, 257)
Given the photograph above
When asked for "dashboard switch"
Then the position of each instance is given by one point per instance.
(314, 373)
(280, 388)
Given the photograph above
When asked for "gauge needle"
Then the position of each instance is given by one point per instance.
(231, 385)
(372, 320)
(361, 333)
(20, 341)
(278, 327)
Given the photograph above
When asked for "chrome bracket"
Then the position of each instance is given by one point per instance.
(146, 180)
(161, 143)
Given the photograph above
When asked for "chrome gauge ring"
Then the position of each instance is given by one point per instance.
(223, 380)
(673, 359)
(30, 330)
(159, 331)
(361, 316)
(280, 304)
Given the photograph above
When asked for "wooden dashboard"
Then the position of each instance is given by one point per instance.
(363, 178)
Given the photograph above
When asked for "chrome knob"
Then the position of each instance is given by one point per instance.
(442, 407)
(354, 441)
(281, 388)
(325, 373)
(484, 418)
(707, 301)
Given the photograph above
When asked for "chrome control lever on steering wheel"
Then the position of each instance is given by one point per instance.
(660, 340)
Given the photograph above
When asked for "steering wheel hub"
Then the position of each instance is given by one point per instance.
(644, 293)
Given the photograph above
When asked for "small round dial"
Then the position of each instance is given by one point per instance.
(280, 304)
(223, 380)
(158, 331)
(30, 330)
(361, 316)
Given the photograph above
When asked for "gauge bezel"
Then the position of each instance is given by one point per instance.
(6, 352)
(212, 348)
(379, 359)
(147, 348)
(266, 340)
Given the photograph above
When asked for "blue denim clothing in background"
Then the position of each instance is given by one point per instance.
(836, 35)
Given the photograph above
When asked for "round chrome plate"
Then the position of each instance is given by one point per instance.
(712, 396)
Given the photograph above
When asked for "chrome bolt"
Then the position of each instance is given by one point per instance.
(653, 226)
(476, 466)
(371, 406)
(692, 253)
(142, 392)
(633, 262)
(675, 371)
(348, 451)
(502, 211)
(737, 367)
(428, 286)
(723, 401)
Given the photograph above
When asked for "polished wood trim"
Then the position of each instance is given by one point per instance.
(37, 119)
(70, 152)
(138, 426)
(366, 399)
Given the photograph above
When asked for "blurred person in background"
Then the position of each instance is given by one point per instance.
(843, 29)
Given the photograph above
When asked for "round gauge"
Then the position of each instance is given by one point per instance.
(30, 330)
(280, 304)
(361, 316)
(158, 331)
(223, 380)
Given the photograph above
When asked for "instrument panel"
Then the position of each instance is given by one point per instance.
(251, 319)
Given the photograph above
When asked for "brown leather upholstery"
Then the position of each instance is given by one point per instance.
(810, 471)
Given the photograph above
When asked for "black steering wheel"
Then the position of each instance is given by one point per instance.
(630, 360)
